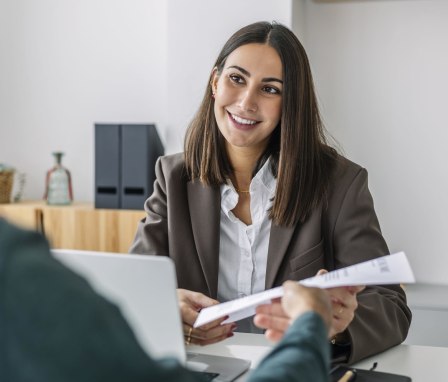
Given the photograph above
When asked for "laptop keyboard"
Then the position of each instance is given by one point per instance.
(206, 376)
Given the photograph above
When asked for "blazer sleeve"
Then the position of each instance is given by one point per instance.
(152, 231)
(302, 355)
(383, 318)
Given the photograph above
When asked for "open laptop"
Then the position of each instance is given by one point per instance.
(144, 287)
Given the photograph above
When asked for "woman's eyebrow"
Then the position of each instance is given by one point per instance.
(246, 73)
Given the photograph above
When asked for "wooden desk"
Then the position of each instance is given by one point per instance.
(421, 363)
(77, 226)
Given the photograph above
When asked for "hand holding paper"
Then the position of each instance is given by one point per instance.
(393, 269)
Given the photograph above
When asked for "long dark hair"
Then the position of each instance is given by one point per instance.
(299, 156)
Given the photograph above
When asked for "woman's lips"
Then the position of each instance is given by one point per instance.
(242, 123)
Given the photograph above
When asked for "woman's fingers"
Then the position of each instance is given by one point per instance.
(321, 272)
(190, 303)
(344, 303)
(195, 299)
(346, 297)
(201, 336)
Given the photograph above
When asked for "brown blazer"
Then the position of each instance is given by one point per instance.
(183, 222)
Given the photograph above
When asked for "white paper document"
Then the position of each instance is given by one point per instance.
(391, 269)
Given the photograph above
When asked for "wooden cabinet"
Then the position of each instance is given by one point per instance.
(78, 226)
(25, 214)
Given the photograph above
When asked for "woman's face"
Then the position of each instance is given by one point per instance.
(248, 96)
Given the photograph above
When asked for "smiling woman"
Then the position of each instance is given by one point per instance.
(248, 99)
(259, 197)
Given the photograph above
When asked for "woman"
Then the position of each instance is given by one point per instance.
(258, 197)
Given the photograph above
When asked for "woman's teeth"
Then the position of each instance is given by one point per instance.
(243, 121)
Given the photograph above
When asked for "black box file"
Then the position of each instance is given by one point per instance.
(125, 158)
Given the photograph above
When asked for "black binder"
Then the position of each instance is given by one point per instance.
(107, 166)
(125, 158)
(140, 148)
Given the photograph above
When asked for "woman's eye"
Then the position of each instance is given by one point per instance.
(271, 90)
(236, 79)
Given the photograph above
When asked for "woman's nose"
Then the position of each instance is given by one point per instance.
(248, 100)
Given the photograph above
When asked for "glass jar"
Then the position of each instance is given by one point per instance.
(58, 185)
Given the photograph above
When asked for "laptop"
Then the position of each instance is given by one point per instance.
(144, 287)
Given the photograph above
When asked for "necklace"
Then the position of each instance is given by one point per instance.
(242, 191)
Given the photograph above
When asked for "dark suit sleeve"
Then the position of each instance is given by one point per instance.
(382, 319)
(54, 327)
(302, 354)
(152, 232)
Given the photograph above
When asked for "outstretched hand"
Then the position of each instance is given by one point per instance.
(190, 304)
(297, 300)
(275, 319)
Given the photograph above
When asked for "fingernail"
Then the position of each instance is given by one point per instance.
(229, 335)
(233, 327)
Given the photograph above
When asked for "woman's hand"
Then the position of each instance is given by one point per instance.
(190, 303)
(344, 302)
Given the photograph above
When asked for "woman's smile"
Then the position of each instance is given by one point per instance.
(242, 123)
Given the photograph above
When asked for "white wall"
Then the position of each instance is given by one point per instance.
(68, 64)
(381, 69)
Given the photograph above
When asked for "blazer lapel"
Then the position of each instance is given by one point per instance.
(304, 235)
(204, 204)
(278, 244)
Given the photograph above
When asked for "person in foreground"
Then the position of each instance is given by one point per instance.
(54, 327)
(258, 197)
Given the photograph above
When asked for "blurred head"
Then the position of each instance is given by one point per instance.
(293, 137)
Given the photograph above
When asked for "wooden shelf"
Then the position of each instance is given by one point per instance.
(24, 214)
(77, 226)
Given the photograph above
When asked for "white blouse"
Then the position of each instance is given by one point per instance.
(243, 249)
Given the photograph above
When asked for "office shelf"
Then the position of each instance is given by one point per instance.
(78, 226)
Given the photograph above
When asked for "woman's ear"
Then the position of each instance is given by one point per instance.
(214, 77)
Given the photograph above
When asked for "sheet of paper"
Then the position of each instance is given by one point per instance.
(392, 269)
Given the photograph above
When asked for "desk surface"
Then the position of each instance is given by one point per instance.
(421, 363)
